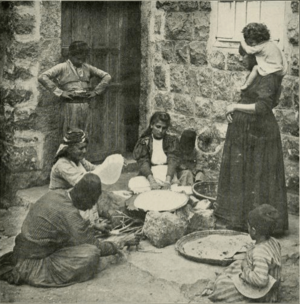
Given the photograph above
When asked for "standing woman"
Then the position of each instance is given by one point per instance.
(156, 148)
(252, 169)
(73, 79)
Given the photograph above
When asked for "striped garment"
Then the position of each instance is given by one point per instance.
(261, 260)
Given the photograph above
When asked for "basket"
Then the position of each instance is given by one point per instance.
(206, 190)
(179, 246)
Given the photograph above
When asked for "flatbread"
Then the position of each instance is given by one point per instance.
(160, 200)
(217, 247)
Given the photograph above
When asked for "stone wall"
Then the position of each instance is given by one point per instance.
(195, 81)
(30, 113)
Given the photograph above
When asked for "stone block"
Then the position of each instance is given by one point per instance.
(198, 53)
(179, 26)
(222, 85)
(168, 51)
(50, 19)
(293, 203)
(17, 72)
(234, 63)
(188, 6)
(193, 81)
(286, 120)
(217, 60)
(286, 96)
(182, 52)
(29, 50)
(296, 95)
(27, 151)
(23, 3)
(108, 206)
(293, 30)
(292, 175)
(203, 107)
(160, 77)
(180, 123)
(157, 24)
(163, 101)
(163, 229)
(201, 26)
(289, 143)
(205, 81)
(168, 6)
(218, 110)
(50, 53)
(201, 220)
(183, 104)
(204, 6)
(23, 24)
(222, 129)
(295, 63)
(295, 6)
(16, 96)
(178, 79)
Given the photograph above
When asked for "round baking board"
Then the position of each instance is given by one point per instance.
(160, 200)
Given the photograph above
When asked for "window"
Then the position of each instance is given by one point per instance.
(232, 16)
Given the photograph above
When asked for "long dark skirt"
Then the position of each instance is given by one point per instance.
(252, 171)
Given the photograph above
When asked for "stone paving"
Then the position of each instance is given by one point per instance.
(151, 275)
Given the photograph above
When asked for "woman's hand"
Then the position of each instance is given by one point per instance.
(153, 184)
(91, 94)
(104, 226)
(67, 95)
(166, 186)
(229, 118)
(230, 108)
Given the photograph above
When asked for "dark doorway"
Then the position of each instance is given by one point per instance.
(113, 32)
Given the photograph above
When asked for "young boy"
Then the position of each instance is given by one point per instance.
(190, 169)
(268, 56)
(258, 275)
(73, 86)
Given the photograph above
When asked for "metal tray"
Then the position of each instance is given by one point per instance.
(179, 246)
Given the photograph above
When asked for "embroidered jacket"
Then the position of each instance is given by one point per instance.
(143, 151)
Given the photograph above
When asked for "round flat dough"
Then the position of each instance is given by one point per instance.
(160, 200)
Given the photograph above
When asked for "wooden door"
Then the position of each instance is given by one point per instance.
(112, 30)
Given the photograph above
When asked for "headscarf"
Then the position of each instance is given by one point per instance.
(263, 219)
(86, 192)
(72, 136)
(78, 47)
(187, 140)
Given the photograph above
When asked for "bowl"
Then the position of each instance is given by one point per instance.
(206, 190)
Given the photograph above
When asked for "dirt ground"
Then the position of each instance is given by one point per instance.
(151, 275)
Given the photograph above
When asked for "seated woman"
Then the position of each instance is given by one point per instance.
(70, 166)
(190, 169)
(56, 247)
(157, 153)
(258, 276)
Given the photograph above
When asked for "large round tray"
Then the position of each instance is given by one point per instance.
(206, 190)
(179, 246)
(160, 200)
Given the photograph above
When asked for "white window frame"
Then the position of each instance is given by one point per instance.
(232, 16)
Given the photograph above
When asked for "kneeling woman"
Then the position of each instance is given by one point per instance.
(157, 153)
(70, 166)
(56, 247)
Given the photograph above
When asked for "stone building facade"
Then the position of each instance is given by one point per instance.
(182, 72)
(186, 74)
